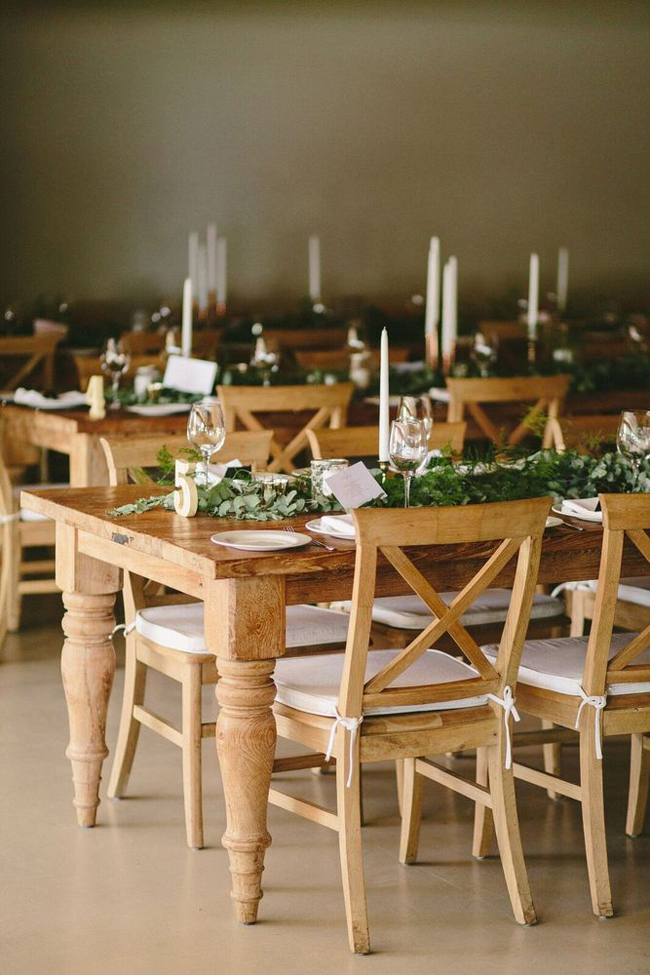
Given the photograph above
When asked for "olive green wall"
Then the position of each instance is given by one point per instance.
(501, 127)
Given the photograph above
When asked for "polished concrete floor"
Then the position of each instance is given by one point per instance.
(128, 897)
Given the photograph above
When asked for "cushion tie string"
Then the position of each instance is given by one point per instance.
(597, 702)
(14, 516)
(127, 627)
(507, 702)
(351, 725)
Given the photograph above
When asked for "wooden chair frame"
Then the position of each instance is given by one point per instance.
(569, 432)
(37, 350)
(517, 527)
(547, 393)
(626, 517)
(362, 441)
(328, 404)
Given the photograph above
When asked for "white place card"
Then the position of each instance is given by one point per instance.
(354, 486)
(190, 375)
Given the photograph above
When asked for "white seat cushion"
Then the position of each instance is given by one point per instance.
(630, 590)
(411, 613)
(312, 684)
(180, 626)
(25, 513)
(558, 665)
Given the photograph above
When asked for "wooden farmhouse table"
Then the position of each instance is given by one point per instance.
(72, 432)
(245, 596)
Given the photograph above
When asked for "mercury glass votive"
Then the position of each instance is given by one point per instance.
(279, 482)
(321, 470)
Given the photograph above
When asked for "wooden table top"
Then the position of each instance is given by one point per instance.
(115, 421)
(313, 573)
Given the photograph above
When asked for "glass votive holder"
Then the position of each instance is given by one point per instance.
(321, 471)
(271, 479)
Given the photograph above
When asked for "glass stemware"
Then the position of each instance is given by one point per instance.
(115, 360)
(417, 408)
(206, 430)
(633, 437)
(407, 449)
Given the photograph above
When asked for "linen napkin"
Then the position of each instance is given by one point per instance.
(338, 525)
(586, 508)
(217, 472)
(64, 401)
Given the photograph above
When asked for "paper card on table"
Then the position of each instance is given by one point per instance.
(190, 375)
(354, 486)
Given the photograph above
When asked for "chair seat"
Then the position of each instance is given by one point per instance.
(312, 684)
(411, 613)
(180, 626)
(632, 590)
(25, 513)
(558, 664)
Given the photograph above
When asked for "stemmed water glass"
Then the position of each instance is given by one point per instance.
(633, 438)
(407, 449)
(115, 360)
(206, 429)
(416, 408)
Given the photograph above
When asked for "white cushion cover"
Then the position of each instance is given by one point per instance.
(180, 626)
(25, 513)
(312, 683)
(411, 613)
(630, 590)
(558, 664)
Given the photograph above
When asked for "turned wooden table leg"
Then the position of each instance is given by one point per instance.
(87, 667)
(245, 626)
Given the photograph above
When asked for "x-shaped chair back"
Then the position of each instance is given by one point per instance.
(328, 405)
(546, 393)
(624, 516)
(362, 441)
(31, 351)
(583, 431)
(516, 526)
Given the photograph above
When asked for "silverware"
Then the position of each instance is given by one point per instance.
(316, 541)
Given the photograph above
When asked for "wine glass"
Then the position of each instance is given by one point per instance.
(265, 358)
(417, 408)
(633, 437)
(407, 449)
(206, 429)
(115, 360)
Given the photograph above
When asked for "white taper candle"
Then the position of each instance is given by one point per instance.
(449, 310)
(222, 272)
(384, 399)
(211, 237)
(186, 326)
(193, 260)
(432, 310)
(533, 297)
(562, 278)
(314, 269)
(202, 280)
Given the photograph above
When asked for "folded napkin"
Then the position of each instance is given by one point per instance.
(440, 395)
(64, 401)
(338, 525)
(217, 472)
(586, 508)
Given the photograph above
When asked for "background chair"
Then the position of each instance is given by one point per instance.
(590, 433)
(35, 355)
(362, 441)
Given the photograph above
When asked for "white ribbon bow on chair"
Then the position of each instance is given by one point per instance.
(597, 702)
(351, 725)
(507, 702)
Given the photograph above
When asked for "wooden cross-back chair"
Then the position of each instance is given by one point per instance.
(307, 338)
(32, 352)
(339, 360)
(545, 393)
(588, 432)
(327, 404)
(88, 366)
(363, 441)
(143, 343)
(382, 705)
(599, 685)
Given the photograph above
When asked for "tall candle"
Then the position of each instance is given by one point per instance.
(562, 278)
(186, 326)
(202, 280)
(432, 312)
(533, 297)
(193, 261)
(212, 258)
(222, 272)
(314, 269)
(384, 394)
(449, 310)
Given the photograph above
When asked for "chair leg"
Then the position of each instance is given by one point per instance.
(593, 820)
(399, 778)
(135, 678)
(639, 784)
(5, 568)
(349, 816)
(13, 555)
(411, 811)
(483, 820)
(506, 826)
(192, 772)
(577, 613)
(552, 759)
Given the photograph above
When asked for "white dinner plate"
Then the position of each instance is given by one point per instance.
(596, 517)
(316, 527)
(159, 409)
(261, 541)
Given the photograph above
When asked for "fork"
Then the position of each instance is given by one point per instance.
(316, 541)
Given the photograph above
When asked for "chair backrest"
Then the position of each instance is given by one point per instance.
(515, 527)
(338, 360)
(307, 338)
(362, 441)
(7, 503)
(128, 457)
(143, 343)
(32, 351)
(546, 393)
(587, 432)
(88, 366)
(327, 404)
(625, 516)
